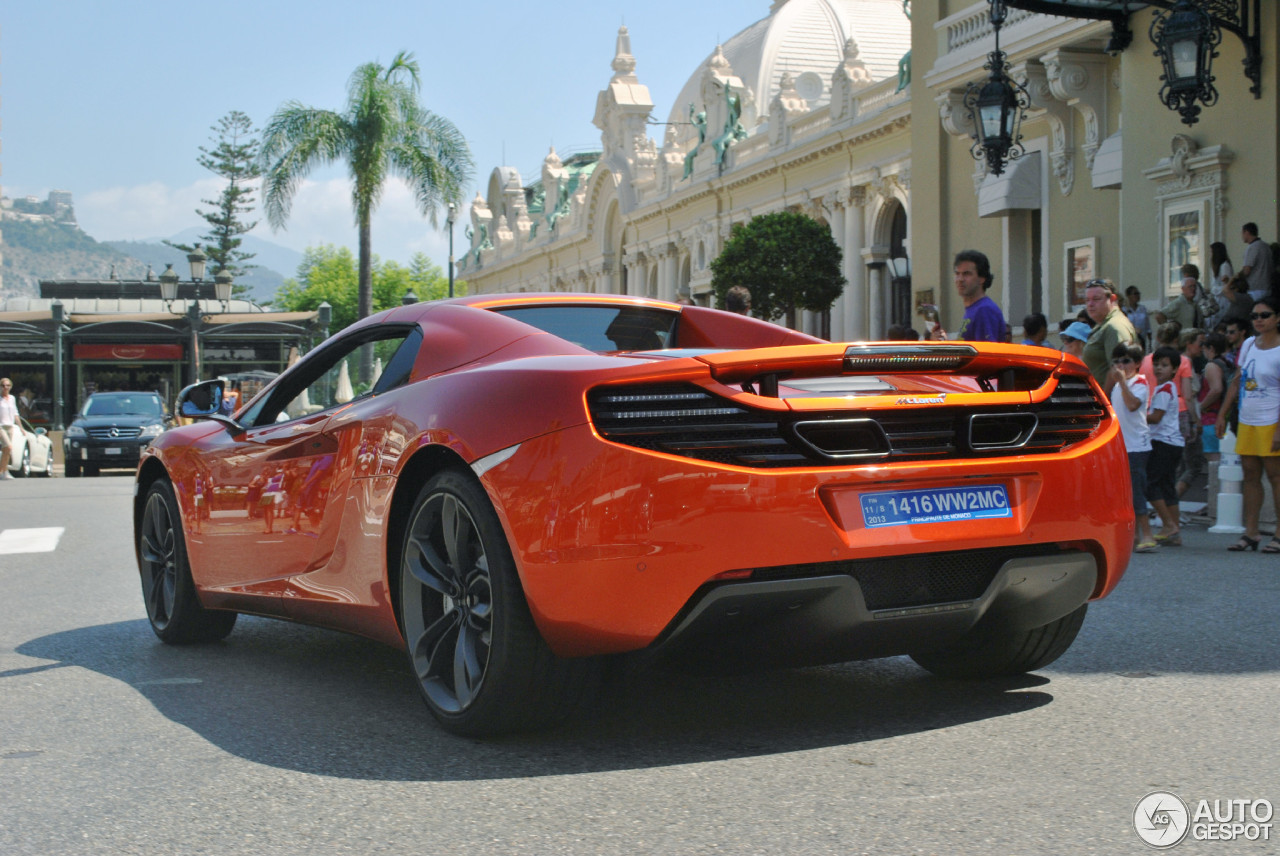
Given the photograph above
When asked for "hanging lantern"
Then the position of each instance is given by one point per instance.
(1186, 41)
(997, 106)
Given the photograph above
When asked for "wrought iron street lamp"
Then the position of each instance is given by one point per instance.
(197, 258)
(222, 288)
(997, 106)
(1186, 42)
(1186, 34)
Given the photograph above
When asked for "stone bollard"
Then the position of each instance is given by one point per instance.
(1230, 499)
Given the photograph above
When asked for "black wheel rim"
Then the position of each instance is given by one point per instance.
(448, 602)
(159, 560)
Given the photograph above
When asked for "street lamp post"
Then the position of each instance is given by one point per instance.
(451, 218)
(59, 316)
(324, 316)
(222, 286)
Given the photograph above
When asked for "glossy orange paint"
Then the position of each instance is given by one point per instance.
(616, 540)
(610, 541)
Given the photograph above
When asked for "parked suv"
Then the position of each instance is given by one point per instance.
(111, 430)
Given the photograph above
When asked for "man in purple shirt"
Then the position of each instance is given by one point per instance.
(983, 320)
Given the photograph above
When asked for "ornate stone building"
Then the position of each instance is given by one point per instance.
(813, 108)
(802, 110)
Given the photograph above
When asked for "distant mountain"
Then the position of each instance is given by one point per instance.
(47, 244)
(273, 257)
(36, 250)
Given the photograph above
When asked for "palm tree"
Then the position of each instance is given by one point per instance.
(384, 131)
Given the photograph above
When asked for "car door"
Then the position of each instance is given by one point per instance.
(274, 491)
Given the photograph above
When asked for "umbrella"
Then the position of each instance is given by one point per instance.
(344, 392)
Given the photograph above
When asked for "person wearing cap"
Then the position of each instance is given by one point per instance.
(1111, 327)
(1074, 337)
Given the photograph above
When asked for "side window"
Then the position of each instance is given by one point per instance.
(342, 372)
(399, 362)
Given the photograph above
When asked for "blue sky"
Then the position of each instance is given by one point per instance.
(111, 100)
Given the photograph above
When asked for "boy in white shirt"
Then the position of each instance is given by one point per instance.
(1166, 446)
(1129, 394)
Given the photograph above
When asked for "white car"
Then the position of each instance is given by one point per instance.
(32, 451)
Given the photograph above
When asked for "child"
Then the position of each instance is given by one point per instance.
(1166, 445)
(1129, 393)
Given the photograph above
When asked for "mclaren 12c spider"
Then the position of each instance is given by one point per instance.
(511, 487)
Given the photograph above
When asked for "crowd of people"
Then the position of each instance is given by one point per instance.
(1179, 377)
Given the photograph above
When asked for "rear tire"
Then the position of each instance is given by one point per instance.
(24, 467)
(173, 608)
(481, 664)
(1000, 652)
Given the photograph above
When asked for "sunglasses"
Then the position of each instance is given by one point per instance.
(1260, 315)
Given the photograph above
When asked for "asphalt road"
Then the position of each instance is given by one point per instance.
(292, 740)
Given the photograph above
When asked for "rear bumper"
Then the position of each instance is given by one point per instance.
(616, 547)
(828, 619)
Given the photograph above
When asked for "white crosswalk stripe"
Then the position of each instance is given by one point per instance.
(30, 540)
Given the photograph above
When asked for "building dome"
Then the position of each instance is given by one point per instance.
(806, 39)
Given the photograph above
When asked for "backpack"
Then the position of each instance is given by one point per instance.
(1206, 306)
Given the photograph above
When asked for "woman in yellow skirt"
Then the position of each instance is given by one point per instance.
(1256, 385)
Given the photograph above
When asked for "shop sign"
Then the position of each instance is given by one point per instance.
(126, 352)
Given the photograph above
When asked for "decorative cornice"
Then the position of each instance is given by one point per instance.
(956, 119)
(1080, 79)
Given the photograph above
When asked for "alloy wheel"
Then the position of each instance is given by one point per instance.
(160, 560)
(448, 602)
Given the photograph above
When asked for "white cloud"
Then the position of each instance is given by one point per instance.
(321, 214)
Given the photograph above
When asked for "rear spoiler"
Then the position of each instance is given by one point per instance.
(997, 365)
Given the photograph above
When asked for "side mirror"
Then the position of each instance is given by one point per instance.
(201, 400)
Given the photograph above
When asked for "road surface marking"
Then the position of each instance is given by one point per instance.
(30, 540)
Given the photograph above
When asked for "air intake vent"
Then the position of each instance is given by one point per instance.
(682, 419)
(686, 420)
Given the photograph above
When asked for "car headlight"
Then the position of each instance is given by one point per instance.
(75, 431)
(150, 432)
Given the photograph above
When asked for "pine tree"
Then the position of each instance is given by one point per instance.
(234, 157)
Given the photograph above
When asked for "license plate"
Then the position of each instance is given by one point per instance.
(113, 450)
(935, 505)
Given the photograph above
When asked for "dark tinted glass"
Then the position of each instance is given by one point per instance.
(602, 328)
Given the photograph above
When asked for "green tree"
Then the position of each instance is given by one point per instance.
(234, 158)
(788, 261)
(384, 131)
(328, 274)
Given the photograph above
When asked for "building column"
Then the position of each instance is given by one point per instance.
(855, 321)
(875, 259)
(670, 275)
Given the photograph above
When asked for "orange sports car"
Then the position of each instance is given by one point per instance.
(510, 487)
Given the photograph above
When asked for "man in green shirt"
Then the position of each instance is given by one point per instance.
(1183, 307)
(1110, 327)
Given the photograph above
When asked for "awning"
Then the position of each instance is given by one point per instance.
(116, 317)
(260, 317)
(1016, 189)
(1107, 163)
(28, 316)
